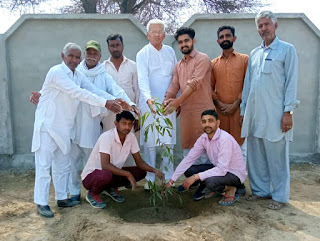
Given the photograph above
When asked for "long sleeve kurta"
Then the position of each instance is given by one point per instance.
(155, 70)
(60, 95)
(196, 73)
(127, 78)
(227, 79)
(223, 152)
(270, 89)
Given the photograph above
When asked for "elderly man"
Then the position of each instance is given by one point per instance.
(61, 92)
(192, 77)
(227, 168)
(155, 64)
(269, 98)
(87, 127)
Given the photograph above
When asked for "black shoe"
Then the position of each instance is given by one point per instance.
(241, 190)
(75, 198)
(199, 194)
(45, 211)
(66, 203)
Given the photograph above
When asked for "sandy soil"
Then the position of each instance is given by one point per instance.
(300, 220)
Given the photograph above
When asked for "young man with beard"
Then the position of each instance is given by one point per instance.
(192, 77)
(104, 169)
(227, 169)
(228, 72)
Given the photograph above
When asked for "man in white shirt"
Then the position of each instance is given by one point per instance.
(155, 64)
(87, 124)
(124, 73)
(61, 92)
(104, 171)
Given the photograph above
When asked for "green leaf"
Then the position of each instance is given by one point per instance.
(159, 196)
(169, 122)
(169, 133)
(165, 168)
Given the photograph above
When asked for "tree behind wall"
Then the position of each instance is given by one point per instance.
(172, 11)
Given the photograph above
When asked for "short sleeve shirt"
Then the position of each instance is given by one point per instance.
(109, 143)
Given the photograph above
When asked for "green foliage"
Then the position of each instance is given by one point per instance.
(159, 196)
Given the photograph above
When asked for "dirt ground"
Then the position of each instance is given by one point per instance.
(300, 220)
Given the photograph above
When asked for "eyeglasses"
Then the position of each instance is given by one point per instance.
(156, 32)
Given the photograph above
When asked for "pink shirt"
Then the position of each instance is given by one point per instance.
(109, 143)
(223, 152)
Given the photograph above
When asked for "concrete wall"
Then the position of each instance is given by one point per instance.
(33, 45)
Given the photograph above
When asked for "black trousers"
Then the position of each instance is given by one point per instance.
(216, 183)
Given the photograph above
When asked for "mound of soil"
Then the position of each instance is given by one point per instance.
(152, 215)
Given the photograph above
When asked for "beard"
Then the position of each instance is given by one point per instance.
(226, 44)
(187, 50)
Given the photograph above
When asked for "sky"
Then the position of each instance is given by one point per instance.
(308, 7)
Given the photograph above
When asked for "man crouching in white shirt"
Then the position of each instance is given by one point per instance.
(104, 171)
(61, 92)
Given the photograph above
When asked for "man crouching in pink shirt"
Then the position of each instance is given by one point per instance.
(104, 171)
(228, 168)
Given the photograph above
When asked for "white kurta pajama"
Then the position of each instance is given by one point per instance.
(53, 127)
(87, 128)
(155, 70)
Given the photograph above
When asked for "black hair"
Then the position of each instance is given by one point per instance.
(114, 37)
(224, 28)
(185, 30)
(210, 112)
(126, 115)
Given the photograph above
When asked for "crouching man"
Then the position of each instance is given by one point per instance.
(228, 168)
(104, 171)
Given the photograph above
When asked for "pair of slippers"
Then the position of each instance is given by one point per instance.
(273, 205)
(226, 200)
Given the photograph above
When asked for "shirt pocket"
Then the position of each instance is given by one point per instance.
(267, 67)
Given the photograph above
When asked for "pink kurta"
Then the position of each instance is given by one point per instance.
(195, 72)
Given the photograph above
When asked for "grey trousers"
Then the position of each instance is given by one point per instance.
(268, 168)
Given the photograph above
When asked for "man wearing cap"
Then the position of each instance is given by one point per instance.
(87, 121)
(61, 92)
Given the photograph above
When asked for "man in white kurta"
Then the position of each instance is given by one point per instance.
(87, 122)
(61, 92)
(155, 64)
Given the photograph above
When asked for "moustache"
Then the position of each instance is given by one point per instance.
(91, 59)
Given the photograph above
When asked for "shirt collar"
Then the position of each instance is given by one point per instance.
(233, 53)
(192, 54)
(65, 68)
(215, 136)
(125, 59)
(273, 45)
(116, 136)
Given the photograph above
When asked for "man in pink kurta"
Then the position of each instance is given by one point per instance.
(192, 77)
